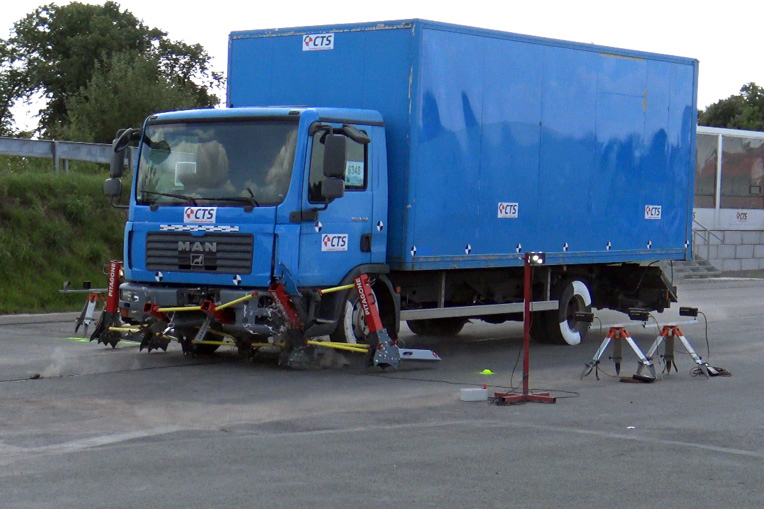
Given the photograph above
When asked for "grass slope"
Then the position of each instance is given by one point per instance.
(54, 227)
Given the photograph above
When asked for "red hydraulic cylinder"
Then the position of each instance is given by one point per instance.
(368, 303)
(112, 290)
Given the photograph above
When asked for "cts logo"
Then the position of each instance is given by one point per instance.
(200, 214)
(318, 42)
(742, 217)
(652, 211)
(334, 242)
(508, 210)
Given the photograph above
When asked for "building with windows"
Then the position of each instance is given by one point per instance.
(728, 218)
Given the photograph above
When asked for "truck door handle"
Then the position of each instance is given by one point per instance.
(366, 243)
(299, 216)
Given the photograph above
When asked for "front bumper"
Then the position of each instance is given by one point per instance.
(253, 315)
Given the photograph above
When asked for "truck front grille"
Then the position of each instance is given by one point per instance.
(228, 253)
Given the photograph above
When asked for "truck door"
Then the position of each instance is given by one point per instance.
(340, 238)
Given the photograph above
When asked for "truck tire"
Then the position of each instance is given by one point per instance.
(198, 349)
(351, 327)
(206, 349)
(561, 327)
(539, 321)
(437, 326)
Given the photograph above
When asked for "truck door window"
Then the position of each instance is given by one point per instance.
(356, 176)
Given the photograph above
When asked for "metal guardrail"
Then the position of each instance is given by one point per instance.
(700, 231)
(61, 151)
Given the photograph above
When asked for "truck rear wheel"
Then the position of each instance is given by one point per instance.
(561, 327)
(437, 326)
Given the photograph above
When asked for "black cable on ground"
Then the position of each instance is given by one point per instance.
(708, 345)
(570, 394)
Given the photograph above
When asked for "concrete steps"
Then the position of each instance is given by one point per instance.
(697, 268)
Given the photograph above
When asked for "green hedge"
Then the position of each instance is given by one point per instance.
(54, 227)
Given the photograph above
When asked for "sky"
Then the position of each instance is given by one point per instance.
(726, 37)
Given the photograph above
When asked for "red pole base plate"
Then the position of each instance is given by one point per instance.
(515, 397)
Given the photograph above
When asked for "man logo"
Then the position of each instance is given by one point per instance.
(197, 247)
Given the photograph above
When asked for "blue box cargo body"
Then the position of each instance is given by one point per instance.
(499, 143)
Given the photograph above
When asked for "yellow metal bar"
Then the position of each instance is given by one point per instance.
(359, 346)
(236, 301)
(178, 310)
(336, 289)
(214, 343)
(341, 346)
(346, 349)
(218, 333)
(125, 329)
(231, 343)
(199, 308)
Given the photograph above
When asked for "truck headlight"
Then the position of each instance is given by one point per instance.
(129, 296)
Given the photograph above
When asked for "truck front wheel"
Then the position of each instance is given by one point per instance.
(352, 326)
(561, 327)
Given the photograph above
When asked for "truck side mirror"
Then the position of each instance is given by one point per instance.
(112, 187)
(335, 158)
(332, 188)
(117, 165)
(118, 146)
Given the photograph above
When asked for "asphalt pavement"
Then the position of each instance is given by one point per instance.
(82, 425)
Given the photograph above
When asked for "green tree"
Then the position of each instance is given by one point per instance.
(56, 50)
(743, 111)
(7, 92)
(122, 93)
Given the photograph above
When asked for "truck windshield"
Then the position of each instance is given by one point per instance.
(221, 163)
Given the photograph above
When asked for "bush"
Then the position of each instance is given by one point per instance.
(53, 227)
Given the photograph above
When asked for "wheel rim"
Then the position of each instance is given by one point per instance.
(581, 299)
(354, 323)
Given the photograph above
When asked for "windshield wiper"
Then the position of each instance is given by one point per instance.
(252, 195)
(183, 197)
(237, 199)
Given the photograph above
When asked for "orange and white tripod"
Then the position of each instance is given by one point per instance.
(667, 335)
(616, 335)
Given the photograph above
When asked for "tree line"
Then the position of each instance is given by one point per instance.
(98, 68)
(742, 111)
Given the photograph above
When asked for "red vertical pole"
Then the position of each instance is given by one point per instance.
(527, 297)
(525, 396)
(112, 290)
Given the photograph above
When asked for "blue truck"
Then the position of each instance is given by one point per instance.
(431, 157)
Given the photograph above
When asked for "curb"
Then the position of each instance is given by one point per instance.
(32, 319)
